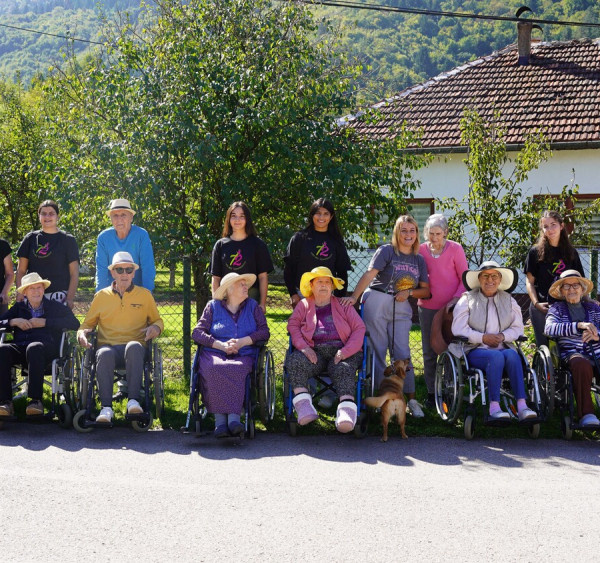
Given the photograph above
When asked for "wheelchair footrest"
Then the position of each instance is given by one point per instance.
(531, 421)
(496, 422)
(143, 417)
(11, 418)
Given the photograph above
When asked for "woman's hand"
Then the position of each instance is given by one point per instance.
(294, 300)
(310, 354)
(493, 340)
(402, 295)
(338, 357)
(82, 337)
(590, 331)
(347, 301)
(542, 307)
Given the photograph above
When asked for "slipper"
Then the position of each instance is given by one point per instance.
(345, 418)
(221, 431)
(236, 428)
(526, 413)
(305, 411)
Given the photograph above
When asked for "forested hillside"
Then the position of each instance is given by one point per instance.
(397, 50)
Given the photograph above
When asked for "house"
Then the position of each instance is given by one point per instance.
(555, 85)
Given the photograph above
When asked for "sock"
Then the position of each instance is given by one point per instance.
(521, 404)
(494, 407)
(220, 419)
(233, 418)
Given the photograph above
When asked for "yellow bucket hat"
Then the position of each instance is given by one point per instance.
(318, 272)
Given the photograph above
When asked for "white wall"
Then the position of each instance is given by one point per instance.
(447, 175)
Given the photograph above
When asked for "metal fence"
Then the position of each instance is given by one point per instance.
(177, 306)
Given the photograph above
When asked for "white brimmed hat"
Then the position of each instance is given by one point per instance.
(32, 279)
(228, 280)
(570, 276)
(120, 205)
(123, 259)
(509, 276)
(318, 272)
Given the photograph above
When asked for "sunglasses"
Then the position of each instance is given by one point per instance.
(123, 270)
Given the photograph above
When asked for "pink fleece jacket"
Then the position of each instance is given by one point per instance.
(350, 327)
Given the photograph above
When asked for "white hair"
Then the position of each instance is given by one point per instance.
(435, 220)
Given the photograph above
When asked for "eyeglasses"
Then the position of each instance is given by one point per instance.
(492, 277)
(571, 285)
(123, 270)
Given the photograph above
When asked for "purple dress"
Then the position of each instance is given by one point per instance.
(223, 377)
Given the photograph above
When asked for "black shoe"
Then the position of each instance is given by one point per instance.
(430, 402)
(236, 428)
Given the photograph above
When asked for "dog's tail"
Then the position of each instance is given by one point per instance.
(377, 402)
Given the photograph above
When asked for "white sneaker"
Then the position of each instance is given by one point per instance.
(134, 407)
(105, 415)
(415, 409)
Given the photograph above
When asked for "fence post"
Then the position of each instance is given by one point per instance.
(594, 272)
(186, 320)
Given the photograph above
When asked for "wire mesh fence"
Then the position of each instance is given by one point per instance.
(175, 299)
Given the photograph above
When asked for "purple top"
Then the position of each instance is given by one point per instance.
(325, 332)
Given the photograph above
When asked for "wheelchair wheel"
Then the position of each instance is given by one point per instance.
(158, 382)
(78, 421)
(140, 426)
(292, 428)
(448, 387)
(266, 385)
(544, 371)
(469, 427)
(65, 415)
(533, 431)
(251, 429)
(565, 427)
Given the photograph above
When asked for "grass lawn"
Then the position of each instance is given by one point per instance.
(278, 310)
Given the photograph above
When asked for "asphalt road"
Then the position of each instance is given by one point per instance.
(115, 495)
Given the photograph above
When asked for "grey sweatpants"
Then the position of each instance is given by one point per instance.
(109, 358)
(380, 320)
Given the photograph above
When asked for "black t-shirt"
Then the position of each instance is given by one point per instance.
(49, 255)
(310, 249)
(548, 271)
(248, 256)
(4, 252)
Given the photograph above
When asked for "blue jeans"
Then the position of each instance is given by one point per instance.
(493, 363)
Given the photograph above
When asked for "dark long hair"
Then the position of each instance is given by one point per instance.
(49, 203)
(250, 228)
(565, 248)
(332, 228)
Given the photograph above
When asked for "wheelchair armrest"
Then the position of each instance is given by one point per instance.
(522, 338)
(462, 339)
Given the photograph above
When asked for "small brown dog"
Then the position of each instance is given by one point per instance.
(391, 397)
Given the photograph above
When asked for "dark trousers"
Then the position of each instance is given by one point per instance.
(32, 355)
(582, 371)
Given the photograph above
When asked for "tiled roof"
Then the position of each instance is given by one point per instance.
(559, 90)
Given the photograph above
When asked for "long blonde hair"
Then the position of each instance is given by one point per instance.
(396, 234)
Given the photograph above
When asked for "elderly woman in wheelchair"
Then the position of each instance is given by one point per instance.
(230, 325)
(325, 335)
(490, 320)
(37, 323)
(574, 323)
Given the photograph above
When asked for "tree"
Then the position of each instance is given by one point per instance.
(216, 101)
(21, 144)
(498, 218)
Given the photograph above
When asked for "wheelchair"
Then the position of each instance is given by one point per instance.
(85, 389)
(58, 376)
(259, 393)
(454, 377)
(365, 387)
(558, 387)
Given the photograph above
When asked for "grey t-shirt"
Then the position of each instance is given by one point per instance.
(397, 271)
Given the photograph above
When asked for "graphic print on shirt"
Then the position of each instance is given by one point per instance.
(237, 260)
(322, 251)
(43, 251)
(405, 276)
(558, 268)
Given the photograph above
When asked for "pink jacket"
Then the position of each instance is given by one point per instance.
(348, 323)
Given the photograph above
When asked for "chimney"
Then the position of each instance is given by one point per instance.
(524, 41)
